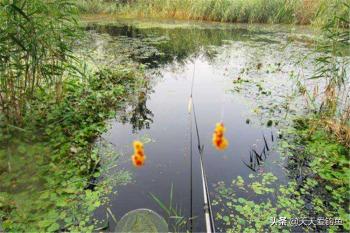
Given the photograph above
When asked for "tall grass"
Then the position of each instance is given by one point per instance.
(98, 6)
(333, 67)
(35, 51)
(176, 221)
(331, 101)
(242, 11)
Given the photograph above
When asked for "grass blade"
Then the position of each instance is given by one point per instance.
(160, 203)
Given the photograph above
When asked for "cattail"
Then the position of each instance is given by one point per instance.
(219, 140)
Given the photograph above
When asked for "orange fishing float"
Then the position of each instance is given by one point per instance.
(219, 140)
(138, 161)
(138, 148)
(138, 158)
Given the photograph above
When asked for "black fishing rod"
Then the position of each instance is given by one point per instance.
(208, 213)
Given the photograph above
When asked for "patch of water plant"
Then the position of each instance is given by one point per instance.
(315, 193)
(122, 49)
(316, 155)
(177, 222)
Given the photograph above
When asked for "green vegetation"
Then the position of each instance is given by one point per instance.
(53, 107)
(242, 11)
(317, 156)
(55, 103)
(319, 191)
(98, 6)
(176, 221)
(51, 160)
(35, 44)
(151, 46)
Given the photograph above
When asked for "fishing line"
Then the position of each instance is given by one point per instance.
(223, 102)
(222, 112)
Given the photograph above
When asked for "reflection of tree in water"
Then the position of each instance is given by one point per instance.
(158, 46)
(140, 117)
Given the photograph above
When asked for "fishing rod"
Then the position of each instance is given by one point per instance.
(208, 213)
(191, 169)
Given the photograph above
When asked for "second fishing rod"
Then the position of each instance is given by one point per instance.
(207, 207)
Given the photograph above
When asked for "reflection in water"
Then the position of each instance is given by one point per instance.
(140, 117)
(256, 159)
(159, 46)
(160, 111)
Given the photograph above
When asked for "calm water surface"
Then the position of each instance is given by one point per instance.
(217, 57)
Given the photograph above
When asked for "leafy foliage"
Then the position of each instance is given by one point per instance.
(317, 155)
(35, 51)
(55, 150)
(255, 214)
(267, 201)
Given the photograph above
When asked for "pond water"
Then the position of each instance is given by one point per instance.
(220, 57)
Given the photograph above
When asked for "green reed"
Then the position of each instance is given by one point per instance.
(175, 217)
(98, 6)
(36, 38)
(242, 11)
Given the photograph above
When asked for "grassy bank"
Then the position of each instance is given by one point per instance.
(54, 104)
(49, 165)
(241, 11)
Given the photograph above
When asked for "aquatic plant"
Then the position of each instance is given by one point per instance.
(316, 190)
(256, 159)
(317, 156)
(239, 214)
(277, 208)
(219, 140)
(175, 217)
